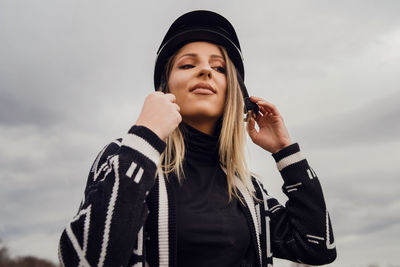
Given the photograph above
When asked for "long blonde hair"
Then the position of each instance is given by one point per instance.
(232, 138)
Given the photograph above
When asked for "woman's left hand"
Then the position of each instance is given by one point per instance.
(272, 135)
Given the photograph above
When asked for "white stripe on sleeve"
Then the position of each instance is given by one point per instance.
(138, 143)
(289, 160)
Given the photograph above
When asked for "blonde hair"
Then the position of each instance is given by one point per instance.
(232, 138)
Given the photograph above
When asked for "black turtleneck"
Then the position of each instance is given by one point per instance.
(210, 230)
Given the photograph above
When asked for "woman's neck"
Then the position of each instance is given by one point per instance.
(200, 146)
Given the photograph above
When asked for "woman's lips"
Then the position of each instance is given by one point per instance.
(202, 91)
(203, 88)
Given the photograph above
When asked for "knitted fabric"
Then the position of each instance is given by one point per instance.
(112, 226)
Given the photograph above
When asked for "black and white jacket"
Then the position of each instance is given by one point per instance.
(112, 226)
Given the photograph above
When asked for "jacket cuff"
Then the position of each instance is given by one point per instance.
(288, 156)
(142, 139)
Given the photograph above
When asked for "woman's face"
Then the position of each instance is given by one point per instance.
(198, 81)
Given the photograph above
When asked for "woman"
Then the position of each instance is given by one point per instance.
(176, 191)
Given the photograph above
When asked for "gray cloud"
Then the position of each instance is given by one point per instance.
(364, 202)
(73, 76)
(375, 122)
(14, 112)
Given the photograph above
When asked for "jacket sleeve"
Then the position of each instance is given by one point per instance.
(301, 231)
(113, 210)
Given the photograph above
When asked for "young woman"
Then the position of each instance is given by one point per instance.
(176, 190)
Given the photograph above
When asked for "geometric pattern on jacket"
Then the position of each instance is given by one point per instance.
(111, 227)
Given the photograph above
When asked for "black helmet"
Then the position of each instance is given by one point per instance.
(201, 25)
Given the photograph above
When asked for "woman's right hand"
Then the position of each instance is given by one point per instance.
(160, 114)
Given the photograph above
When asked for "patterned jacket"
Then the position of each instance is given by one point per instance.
(113, 226)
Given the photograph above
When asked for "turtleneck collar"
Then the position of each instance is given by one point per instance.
(200, 146)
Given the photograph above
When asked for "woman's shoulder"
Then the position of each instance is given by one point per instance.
(106, 152)
(257, 182)
(112, 147)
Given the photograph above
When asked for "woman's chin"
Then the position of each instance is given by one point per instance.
(203, 107)
(201, 115)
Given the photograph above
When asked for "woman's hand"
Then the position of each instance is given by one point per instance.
(273, 135)
(160, 114)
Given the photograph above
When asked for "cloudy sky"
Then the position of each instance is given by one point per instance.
(74, 74)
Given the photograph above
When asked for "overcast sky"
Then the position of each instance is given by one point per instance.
(74, 74)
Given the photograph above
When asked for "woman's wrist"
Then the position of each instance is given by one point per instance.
(281, 146)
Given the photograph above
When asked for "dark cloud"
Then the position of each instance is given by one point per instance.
(55, 69)
(39, 202)
(14, 112)
(375, 122)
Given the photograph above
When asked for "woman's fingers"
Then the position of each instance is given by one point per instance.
(265, 104)
(268, 107)
(167, 117)
(178, 108)
(250, 125)
(171, 97)
(251, 128)
(263, 110)
(263, 113)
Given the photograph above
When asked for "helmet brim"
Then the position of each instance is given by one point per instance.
(196, 34)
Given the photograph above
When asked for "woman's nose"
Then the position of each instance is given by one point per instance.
(205, 70)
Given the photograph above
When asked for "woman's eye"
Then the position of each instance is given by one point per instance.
(186, 66)
(220, 69)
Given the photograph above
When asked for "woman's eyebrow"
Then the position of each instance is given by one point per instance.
(195, 55)
(188, 55)
(217, 56)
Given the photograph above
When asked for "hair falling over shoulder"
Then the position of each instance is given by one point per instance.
(232, 138)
